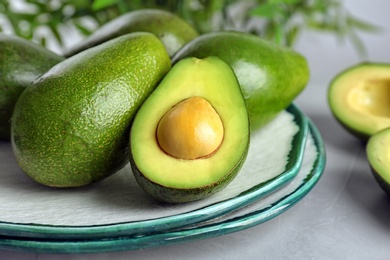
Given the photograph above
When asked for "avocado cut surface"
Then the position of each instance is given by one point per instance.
(270, 76)
(173, 179)
(173, 31)
(378, 155)
(21, 62)
(70, 127)
(359, 98)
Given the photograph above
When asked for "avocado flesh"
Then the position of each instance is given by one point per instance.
(21, 62)
(173, 31)
(378, 155)
(70, 127)
(359, 98)
(270, 76)
(176, 180)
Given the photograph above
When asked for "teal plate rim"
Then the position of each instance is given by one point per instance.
(185, 235)
(151, 226)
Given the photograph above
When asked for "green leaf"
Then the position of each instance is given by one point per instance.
(284, 1)
(291, 35)
(101, 4)
(362, 25)
(84, 30)
(358, 44)
(267, 10)
(279, 32)
(55, 32)
(123, 6)
(43, 42)
(79, 4)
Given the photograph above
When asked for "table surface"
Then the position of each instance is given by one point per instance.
(346, 215)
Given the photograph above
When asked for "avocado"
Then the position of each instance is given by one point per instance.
(378, 150)
(190, 137)
(70, 126)
(21, 61)
(270, 76)
(359, 98)
(173, 31)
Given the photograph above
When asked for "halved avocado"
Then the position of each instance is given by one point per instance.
(359, 98)
(190, 137)
(378, 155)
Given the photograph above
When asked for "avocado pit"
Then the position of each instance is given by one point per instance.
(191, 129)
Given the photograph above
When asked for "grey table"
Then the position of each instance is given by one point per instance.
(346, 215)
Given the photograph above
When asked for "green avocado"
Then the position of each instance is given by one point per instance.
(21, 61)
(190, 137)
(70, 126)
(270, 76)
(359, 98)
(173, 31)
(378, 151)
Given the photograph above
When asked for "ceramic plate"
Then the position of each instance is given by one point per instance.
(117, 207)
(256, 213)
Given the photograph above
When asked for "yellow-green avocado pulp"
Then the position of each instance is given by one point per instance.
(176, 180)
(359, 99)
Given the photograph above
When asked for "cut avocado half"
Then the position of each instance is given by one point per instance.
(190, 137)
(359, 98)
(378, 155)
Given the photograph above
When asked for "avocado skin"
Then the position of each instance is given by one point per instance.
(70, 127)
(176, 196)
(159, 22)
(363, 137)
(376, 151)
(381, 182)
(282, 72)
(21, 62)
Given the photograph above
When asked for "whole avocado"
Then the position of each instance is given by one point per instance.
(270, 76)
(173, 31)
(70, 126)
(21, 62)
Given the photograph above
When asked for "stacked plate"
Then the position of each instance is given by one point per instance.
(285, 161)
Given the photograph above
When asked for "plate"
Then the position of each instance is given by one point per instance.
(256, 213)
(117, 207)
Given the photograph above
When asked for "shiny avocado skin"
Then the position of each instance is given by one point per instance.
(165, 25)
(270, 76)
(70, 127)
(21, 62)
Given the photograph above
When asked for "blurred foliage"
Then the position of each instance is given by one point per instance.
(277, 20)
